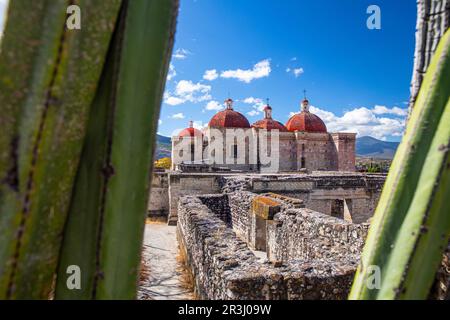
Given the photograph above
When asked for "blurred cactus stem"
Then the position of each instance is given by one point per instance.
(411, 225)
(48, 80)
(104, 231)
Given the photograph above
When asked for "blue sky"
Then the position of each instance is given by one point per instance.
(356, 79)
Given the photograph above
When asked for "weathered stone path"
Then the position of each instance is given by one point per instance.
(163, 276)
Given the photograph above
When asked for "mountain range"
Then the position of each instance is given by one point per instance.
(368, 147)
(373, 148)
(163, 147)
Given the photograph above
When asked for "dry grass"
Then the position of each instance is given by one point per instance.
(186, 277)
(145, 269)
(156, 220)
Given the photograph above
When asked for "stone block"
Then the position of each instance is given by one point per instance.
(265, 207)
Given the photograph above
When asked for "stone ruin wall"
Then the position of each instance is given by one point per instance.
(319, 191)
(308, 235)
(224, 267)
(189, 184)
(158, 206)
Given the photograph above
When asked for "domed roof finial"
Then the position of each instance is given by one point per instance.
(305, 103)
(229, 104)
(267, 110)
(190, 131)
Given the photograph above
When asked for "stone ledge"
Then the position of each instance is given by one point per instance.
(265, 207)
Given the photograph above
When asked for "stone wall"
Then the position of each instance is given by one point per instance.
(352, 197)
(219, 205)
(346, 150)
(223, 267)
(240, 203)
(319, 191)
(288, 152)
(158, 205)
(315, 151)
(181, 184)
(308, 235)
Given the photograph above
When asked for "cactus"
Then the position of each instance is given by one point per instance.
(49, 76)
(69, 97)
(411, 225)
(105, 226)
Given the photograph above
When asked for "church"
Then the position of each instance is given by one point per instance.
(231, 143)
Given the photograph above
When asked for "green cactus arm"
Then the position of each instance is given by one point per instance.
(425, 231)
(116, 168)
(81, 231)
(51, 119)
(403, 178)
(18, 50)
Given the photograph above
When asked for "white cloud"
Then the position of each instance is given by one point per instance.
(172, 101)
(200, 125)
(177, 116)
(187, 87)
(260, 70)
(257, 105)
(297, 72)
(213, 105)
(395, 111)
(172, 72)
(294, 59)
(187, 91)
(363, 121)
(181, 54)
(211, 75)
(252, 100)
(253, 113)
(160, 122)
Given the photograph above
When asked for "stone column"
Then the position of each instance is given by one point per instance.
(263, 209)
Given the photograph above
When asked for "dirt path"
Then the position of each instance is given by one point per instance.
(163, 276)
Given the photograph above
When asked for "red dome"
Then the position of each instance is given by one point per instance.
(270, 124)
(306, 121)
(190, 132)
(229, 118)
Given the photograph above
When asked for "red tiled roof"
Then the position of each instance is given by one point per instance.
(229, 118)
(269, 124)
(190, 132)
(306, 121)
